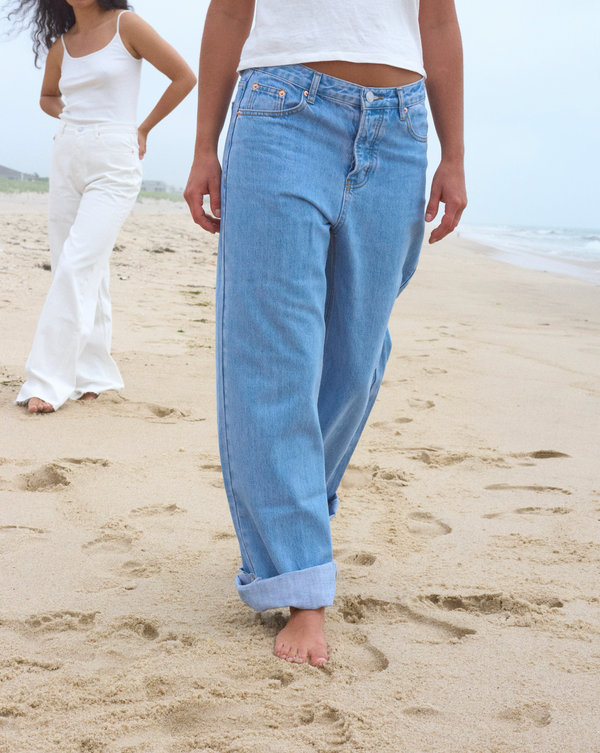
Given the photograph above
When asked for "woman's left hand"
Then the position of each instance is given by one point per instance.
(448, 187)
(142, 136)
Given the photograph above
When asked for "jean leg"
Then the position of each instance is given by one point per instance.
(373, 255)
(271, 292)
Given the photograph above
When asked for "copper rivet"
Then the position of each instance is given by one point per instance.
(306, 94)
(255, 86)
(281, 93)
(406, 109)
(238, 112)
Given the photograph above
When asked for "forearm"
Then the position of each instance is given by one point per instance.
(175, 93)
(225, 32)
(443, 58)
(51, 105)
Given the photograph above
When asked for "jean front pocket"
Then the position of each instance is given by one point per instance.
(416, 119)
(269, 95)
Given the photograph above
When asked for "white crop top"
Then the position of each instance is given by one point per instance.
(102, 87)
(360, 31)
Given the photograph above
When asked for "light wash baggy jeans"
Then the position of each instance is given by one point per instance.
(95, 178)
(323, 209)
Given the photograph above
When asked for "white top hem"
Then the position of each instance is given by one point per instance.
(267, 61)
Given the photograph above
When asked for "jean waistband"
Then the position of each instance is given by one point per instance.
(314, 82)
(97, 128)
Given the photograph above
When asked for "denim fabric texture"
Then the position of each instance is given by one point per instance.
(95, 178)
(323, 203)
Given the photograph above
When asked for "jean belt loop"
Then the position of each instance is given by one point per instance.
(314, 87)
(401, 104)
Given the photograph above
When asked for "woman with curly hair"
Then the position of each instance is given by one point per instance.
(95, 52)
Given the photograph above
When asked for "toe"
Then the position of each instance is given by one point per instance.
(301, 656)
(318, 659)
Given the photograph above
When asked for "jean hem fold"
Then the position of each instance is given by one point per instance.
(310, 588)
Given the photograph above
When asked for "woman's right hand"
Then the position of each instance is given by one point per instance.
(205, 178)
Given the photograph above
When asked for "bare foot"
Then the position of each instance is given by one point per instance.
(37, 405)
(303, 638)
(88, 396)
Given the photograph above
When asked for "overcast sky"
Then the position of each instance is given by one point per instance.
(532, 72)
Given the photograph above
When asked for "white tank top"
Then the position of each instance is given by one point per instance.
(360, 31)
(102, 87)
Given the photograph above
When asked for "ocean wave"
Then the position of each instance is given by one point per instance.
(565, 243)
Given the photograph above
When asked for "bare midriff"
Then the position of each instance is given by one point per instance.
(367, 74)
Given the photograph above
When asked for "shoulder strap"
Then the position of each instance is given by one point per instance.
(119, 18)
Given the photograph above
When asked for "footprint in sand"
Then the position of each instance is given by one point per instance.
(434, 370)
(490, 603)
(121, 406)
(391, 425)
(24, 529)
(150, 510)
(356, 477)
(364, 559)
(425, 524)
(356, 610)
(217, 482)
(543, 510)
(532, 488)
(435, 459)
(419, 404)
(546, 454)
(386, 476)
(358, 651)
(87, 461)
(137, 569)
(61, 621)
(145, 628)
(49, 478)
(109, 543)
(538, 714)
(422, 712)
(328, 725)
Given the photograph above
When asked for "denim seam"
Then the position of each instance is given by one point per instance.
(222, 328)
(343, 210)
(271, 91)
(281, 78)
(371, 155)
(413, 134)
(330, 307)
(405, 283)
(274, 113)
(339, 101)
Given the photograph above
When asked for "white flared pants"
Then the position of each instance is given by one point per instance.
(94, 181)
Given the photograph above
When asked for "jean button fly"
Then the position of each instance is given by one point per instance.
(370, 97)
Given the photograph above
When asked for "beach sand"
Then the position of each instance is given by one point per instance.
(467, 617)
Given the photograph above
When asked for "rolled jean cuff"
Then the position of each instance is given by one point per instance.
(333, 503)
(310, 588)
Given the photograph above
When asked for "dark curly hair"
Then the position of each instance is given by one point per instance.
(49, 19)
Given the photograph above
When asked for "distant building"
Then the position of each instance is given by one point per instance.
(158, 186)
(8, 174)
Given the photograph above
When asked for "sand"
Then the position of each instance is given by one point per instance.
(467, 613)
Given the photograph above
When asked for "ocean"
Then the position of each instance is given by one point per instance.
(574, 252)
